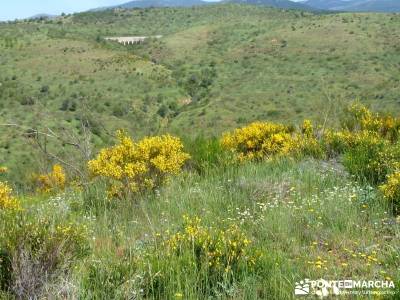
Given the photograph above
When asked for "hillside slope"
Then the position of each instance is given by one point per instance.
(216, 67)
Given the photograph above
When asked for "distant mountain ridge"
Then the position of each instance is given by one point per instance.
(325, 4)
(356, 5)
(286, 4)
(332, 5)
(157, 3)
(377, 6)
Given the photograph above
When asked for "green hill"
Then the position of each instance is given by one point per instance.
(215, 68)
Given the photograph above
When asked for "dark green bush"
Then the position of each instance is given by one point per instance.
(372, 162)
(205, 153)
(44, 89)
(5, 270)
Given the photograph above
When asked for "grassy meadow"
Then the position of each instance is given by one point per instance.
(99, 201)
(299, 214)
(229, 224)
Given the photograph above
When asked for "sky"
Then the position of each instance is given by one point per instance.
(14, 9)
(17, 9)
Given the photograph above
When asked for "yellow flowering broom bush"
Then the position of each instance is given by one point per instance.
(366, 154)
(53, 181)
(391, 189)
(360, 118)
(338, 142)
(260, 140)
(7, 201)
(361, 126)
(307, 128)
(307, 141)
(131, 166)
(368, 143)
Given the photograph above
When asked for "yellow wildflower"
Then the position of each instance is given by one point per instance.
(7, 201)
(53, 181)
(391, 189)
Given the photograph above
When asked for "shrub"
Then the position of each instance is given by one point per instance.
(206, 153)
(308, 143)
(391, 189)
(369, 144)
(338, 142)
(360, 118)
(307, 128)
(36, 251)
(362, 161)
(132, 167)
(44, 89)
(119, 111)
(359, 125)
(7, 201)
(260, 140)
(371, 158)
(163, 111)
(53, 181)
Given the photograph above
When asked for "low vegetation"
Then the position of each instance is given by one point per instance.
(259, 212)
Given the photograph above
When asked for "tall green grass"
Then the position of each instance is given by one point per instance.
(296, 214)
